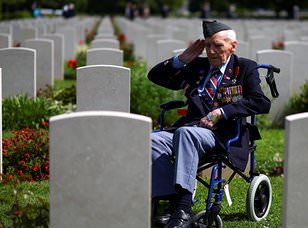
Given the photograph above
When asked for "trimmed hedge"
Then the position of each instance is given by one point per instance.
(146, 96)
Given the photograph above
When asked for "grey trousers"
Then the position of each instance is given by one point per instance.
(175, 158)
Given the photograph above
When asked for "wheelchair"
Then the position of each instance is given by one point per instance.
(259, 194)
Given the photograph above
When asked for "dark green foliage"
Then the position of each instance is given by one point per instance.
(299, 102)
(67, 95)
(64, 96)
(81, 57)
(147, 96)
(92, 33)
(69, 72)
(23, 204)
(21, 111)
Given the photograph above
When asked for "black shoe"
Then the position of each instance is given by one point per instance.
(180, 219)
(161, 220)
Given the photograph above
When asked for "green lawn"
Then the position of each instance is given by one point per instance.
(61, 84)
(235, 215)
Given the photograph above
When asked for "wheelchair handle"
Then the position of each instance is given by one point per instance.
(270, 79)
(269, 67)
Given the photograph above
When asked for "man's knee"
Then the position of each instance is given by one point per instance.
(182, 132)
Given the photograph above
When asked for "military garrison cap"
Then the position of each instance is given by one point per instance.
(212, 27)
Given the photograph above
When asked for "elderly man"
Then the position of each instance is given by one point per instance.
(219, 89)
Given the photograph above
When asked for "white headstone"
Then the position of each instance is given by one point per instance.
(21, 34)
(45, 61)
(69, 41)
(105, 43)
(295, 172)
(242, 49)
(300, 75)
(164, 48)
(258, 43)
(6, 28)
(104, 36)
(5, 40)
(100, 173)
(18, 71)
(151, 48)
(104, 56)
(103, 87)
(58, 41)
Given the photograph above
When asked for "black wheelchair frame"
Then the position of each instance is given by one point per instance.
(259, 195)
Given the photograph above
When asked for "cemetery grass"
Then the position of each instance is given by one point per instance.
(62, 84)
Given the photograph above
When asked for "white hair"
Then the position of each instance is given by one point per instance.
(230, 34)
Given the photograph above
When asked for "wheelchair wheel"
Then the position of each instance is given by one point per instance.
(201, 221)
(259, 198)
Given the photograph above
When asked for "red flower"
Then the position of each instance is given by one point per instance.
(20, 172)
(72, 63)
(22, 162)
(122, 37)
(27, 155)
(45, 123)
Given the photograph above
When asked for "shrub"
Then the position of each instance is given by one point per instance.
(90, 34)
(70, 69)
(299, 102)
(26, 153)
(81, 55)
(21, 111)
(146, 96)
(23, 204)
(62, 97)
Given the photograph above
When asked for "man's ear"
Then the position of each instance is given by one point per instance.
(233, 46)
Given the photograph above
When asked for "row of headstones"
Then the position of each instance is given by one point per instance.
(73, 30)
(107, 183)
(252, 35)
(105, 48)
(35, 64)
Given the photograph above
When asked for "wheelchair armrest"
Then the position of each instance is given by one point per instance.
(173, 105)
(236, 137)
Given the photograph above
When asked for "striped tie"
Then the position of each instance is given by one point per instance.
(211, 85)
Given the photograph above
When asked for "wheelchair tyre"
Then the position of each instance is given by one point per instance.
(201, 223)
(259, 198)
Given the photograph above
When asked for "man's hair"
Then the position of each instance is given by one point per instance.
(230, 34)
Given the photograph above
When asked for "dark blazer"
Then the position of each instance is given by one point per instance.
(239, 94)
